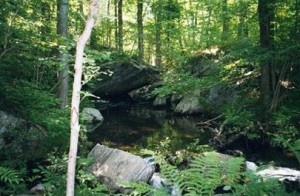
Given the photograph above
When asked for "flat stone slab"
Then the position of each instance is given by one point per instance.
(119, 166)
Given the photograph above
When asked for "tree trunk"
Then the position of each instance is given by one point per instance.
(116, 25)
(266, 16)
(225, 26)
(120, 25)
(74, 122)
(108, 33)
(243, 30)
(140, 30)
(158, 58)
(297, 20)
(62, 31)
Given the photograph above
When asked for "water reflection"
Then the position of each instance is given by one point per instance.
(144, 127)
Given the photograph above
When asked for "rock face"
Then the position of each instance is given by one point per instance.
(93, 118)
(20, 139)
(220, 95)
(113, 165)
(8, 122)
(160, 102)
(190, 104)
(124, 77)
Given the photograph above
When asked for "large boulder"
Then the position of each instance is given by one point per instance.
(114, 166)
(20, 139)
(124, 77)
(190, 104)
(219, 95)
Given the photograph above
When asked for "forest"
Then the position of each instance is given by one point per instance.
(233, 65)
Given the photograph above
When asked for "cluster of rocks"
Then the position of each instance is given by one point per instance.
(129, 80)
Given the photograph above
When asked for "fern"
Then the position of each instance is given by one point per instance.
(253, 185)
(9, 176)
(144, 189)
(207, 173)
(295, 148)
(10, 181)
(171, 174)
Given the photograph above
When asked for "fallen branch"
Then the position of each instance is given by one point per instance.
(208, 122)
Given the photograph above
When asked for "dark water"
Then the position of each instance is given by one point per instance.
(143, 126)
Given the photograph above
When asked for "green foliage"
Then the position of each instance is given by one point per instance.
(144, 189)
(206, 174)
(295, 148)
(182, 84)
(10, 176)
(11, 181)
(286, 134)
(53, 177)
(239, 117)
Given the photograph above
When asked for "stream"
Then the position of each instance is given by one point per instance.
(140, 125)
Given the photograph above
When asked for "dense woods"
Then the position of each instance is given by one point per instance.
(248, 48)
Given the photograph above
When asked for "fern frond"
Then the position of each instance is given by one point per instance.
(140, 188)
(170, 173)
(231, 170)
(9, 176)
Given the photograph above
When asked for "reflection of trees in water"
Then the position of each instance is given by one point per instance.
(178, 138)
(145, 127)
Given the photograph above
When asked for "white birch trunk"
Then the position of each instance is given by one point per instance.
(74, 122)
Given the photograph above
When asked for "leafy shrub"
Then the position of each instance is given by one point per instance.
(182, 84)
(53, 177)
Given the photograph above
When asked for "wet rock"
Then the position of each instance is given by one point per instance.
(38, 189)
(123, 77)
(92, 117)
(114, 166)
(160, 102)
(142, 94)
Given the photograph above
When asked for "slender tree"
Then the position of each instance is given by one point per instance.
(108, 26)
(62, 30)
(225, 17)
(158, 21)
(116, 24)
(140, 30)
(74, 122)
(266, 17)
(120, 25)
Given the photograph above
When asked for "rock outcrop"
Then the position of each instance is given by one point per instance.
(114, 166)
(122, 77)
(20, 139)
(190, 104)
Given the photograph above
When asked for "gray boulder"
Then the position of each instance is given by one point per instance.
(8, 122)
(123, 78)
(92, 118)
(190, 104)
(160, 102)
(114, 166)
(220, 95)
(20, 139)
